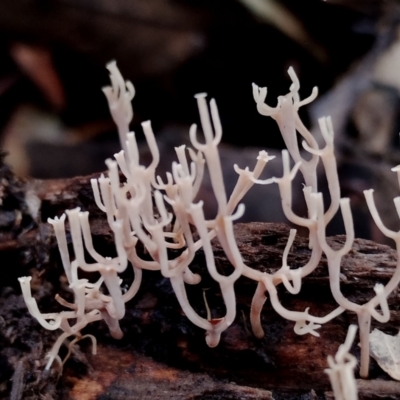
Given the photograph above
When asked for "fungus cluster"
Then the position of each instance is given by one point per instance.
(163, 214)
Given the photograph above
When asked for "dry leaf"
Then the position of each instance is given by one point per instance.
(385, 349)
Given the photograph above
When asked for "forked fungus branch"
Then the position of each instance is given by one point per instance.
(161, 214)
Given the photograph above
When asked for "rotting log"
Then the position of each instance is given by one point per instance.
(162, 355)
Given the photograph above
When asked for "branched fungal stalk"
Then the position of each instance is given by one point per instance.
(341, 369)
(136, 211)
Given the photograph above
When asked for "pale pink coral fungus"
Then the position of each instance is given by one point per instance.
(136, 210)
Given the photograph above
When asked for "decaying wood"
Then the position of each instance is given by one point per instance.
(132, 375)
(162, 355)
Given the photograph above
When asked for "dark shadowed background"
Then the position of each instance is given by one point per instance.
(54, 120)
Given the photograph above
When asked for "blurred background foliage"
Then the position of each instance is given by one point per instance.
(54, 120)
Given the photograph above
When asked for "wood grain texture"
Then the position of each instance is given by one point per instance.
(162, 355)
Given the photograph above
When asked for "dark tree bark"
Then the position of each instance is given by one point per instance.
(162, 355)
